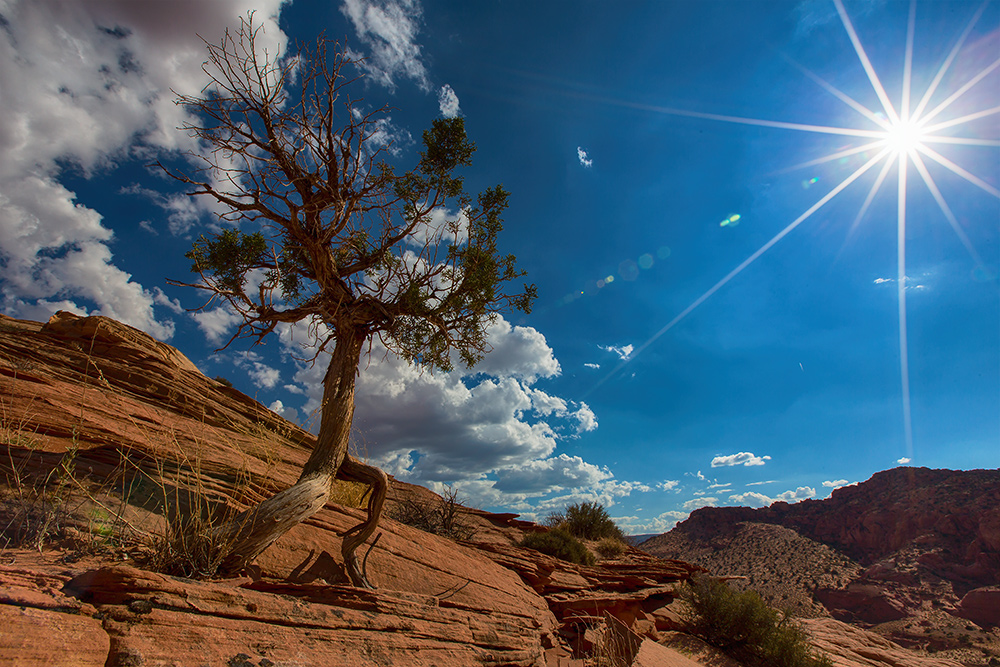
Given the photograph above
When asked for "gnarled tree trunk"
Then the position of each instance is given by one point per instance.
(257, 528)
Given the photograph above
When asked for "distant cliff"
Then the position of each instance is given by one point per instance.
(907, 548)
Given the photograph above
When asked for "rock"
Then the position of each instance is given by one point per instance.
(160, 620)
(981, 606)
(135, 418)
(33, 636)
(868, 604)
(848, 646)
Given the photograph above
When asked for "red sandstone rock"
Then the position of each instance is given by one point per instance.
(981, 606)
(122, 398)
(867, 604)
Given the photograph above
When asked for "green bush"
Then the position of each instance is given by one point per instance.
(559, 543)
(590, 521)
(610, 547)
(742, 625)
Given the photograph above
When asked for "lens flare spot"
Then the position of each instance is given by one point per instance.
(646, 261)
(731, 221)
(609, 279)
(663, 252)
(628, 270)
(809, 183)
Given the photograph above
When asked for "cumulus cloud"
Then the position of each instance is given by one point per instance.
(448, 102)
(87, 85)
(460, 427)
(750, 499)
(217, 324)
(441, 226)
(623, 352)
(389, 29)
(552, 474)
(801, 493)
(584, 159)
(667, 485)
(277, 407)
(262, 375)
(903, 461)
(703, 501)
(595, 366)
(633, 525)
(754, 499)
(740, 459)
(836, 484)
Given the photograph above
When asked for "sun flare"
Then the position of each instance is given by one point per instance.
(906, 137)
(902, 140)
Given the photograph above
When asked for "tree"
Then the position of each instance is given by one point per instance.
(343, 244)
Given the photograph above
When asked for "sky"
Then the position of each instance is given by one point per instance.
(734, 307)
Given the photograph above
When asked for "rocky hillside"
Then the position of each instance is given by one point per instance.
(109, 440)
(913, 553)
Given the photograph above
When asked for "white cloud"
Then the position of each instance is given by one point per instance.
(907, 280)
(903, 461)
(552, 474)
(277, 407)
(750, 499)
(389, 28)
(161, 299)
(740, 459)
(720, 486)
(448, 102)
(441, 226)
(754, 499)
(458, 427)
(770, 481)
(622, 352)
(217, 324)
(704, 501)
(520, 352)
(584, 159)
(262, 375)
(836, 484)
(595, 366)
(633, 525)
(801, 493)
(89, 85)
(667, 485)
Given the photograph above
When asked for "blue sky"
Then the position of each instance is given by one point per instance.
(652, 376)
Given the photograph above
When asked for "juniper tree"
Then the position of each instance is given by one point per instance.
(340, 242)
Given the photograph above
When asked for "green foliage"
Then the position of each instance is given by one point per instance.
(610, 547)
(228, 257)
(590, 521)
(742, 625)
(561, 544)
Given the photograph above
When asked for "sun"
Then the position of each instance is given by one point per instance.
(905, 137)
(902, 138)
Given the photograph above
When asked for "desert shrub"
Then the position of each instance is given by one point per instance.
(223, 381)
(554, 519)
(590, 521)
(610, 547)
(742, 625)
(443, 517)
(560, 543)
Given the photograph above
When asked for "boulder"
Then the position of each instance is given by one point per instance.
(981, 606)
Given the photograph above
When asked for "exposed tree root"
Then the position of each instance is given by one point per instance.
(356, 471)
